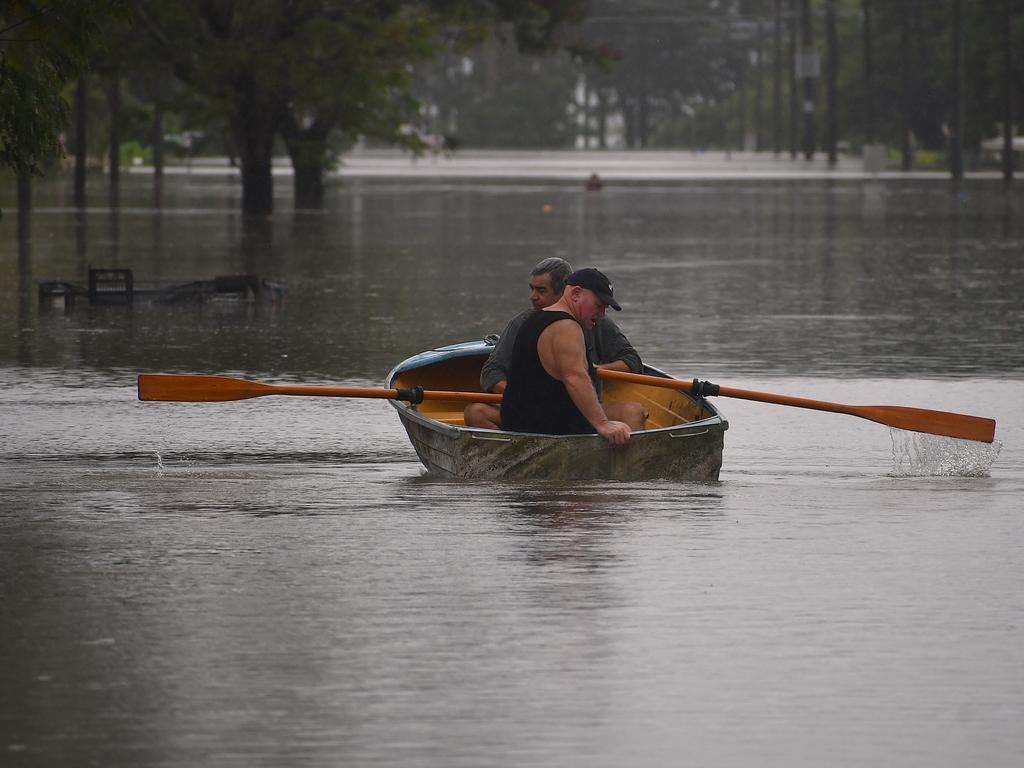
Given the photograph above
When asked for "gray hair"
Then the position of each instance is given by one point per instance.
(559, 269)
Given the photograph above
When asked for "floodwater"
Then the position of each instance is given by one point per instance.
(277, 581)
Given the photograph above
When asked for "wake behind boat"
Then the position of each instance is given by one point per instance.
(682, 439)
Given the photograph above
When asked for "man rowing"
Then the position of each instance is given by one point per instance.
(549, 388)
(607, 346)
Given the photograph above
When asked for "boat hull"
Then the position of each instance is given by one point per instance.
(684, 451)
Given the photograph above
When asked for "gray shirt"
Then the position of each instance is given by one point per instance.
(605, 344)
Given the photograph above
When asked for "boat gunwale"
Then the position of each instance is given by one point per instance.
(478, 348)
(411, 412)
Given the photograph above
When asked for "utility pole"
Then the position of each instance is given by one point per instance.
(809, 67)
(869, 77)
(114, 98)
(956, 139)
(794, 98)
(81, 93)
(832, 66)
(907, 150)
(1007, 94)
(759, 87)
(777, 82)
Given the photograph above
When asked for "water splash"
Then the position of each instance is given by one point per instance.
(915, 454)
(159, 464)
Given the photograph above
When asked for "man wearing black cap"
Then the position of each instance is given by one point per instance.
(549, 388)
(607, 346)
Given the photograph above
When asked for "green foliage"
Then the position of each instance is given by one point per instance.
(42, 48)
(311, 70)
(133, 153)
(923, 159)
(319, 73)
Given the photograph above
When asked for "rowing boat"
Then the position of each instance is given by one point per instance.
(682, 439)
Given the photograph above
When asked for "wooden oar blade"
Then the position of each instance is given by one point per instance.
(169, 387)
(914, 419)
(931, 422)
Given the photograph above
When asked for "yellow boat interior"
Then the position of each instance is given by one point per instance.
(665, 407)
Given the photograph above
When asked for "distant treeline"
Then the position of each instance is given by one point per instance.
(156, 81)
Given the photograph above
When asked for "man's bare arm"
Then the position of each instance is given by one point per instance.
(563, 355)
(615, 365)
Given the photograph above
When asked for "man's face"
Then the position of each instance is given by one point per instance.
(591, 308)
(541, 294)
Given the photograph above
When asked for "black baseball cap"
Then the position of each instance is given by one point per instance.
(594, 280)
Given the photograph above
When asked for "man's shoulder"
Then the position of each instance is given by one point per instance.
(518, 319)
(521, 316)
(606, 323)
(562, 323)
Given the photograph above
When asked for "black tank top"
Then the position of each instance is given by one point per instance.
(533, 400)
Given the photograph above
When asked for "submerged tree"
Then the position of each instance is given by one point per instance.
(350, 76)
(307, 69)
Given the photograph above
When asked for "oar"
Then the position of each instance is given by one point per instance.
(208, 389)
(914, 419)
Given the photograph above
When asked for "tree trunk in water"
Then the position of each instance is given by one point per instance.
(254, 137)
(307, 148)
(309, 185)
(24, 206)
(257, 185)
(81, 91)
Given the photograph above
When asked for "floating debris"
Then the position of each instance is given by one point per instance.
(118, 286)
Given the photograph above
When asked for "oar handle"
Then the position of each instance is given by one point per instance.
(413, 395)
